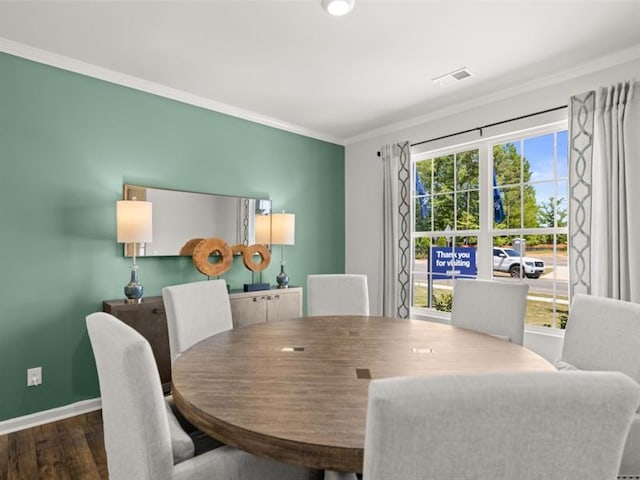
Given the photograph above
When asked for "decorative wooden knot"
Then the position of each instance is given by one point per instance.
(249, 252)
(208, 247)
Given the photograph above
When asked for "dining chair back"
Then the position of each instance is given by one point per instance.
(498, 426)
(143, 440)
(604, 334)
(337, 294)
(195, 311)
(136, 420)
(496, 308)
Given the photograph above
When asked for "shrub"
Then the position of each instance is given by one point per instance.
(443, 301)
(562, 320)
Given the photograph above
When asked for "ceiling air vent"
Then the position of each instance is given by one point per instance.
(452, 77)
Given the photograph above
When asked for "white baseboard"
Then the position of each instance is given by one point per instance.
(48, 416)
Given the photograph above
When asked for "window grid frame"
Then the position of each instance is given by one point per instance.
(486, 231)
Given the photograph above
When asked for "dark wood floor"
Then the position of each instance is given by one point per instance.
(71, 449)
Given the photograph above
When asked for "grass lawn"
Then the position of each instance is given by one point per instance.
(538, 312)
(541, 313)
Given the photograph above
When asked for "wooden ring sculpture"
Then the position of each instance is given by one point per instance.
(205, 249)
(187, 248)
(250, 251)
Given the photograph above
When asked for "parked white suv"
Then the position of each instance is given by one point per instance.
(509, 260)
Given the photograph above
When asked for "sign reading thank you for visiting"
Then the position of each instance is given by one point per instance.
(449, 262)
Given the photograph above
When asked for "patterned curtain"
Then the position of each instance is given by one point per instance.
(604, 203)
(581, 111)
(396, 255)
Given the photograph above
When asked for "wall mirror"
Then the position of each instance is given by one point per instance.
(181, 219)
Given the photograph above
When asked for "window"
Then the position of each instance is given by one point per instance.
(495, 208)
(446, 227)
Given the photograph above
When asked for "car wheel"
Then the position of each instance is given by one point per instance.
(514, 270)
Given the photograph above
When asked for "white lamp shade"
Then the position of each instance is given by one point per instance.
(134, 221)
(263, 229)
(283, 228)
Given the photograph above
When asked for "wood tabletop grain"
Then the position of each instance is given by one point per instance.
(296, 390)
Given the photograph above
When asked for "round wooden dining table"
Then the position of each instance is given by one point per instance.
(296, 390)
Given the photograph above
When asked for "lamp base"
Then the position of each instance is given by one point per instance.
(282, 278)
(134, 289)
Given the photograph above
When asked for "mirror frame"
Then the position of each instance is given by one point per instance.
(247, 209)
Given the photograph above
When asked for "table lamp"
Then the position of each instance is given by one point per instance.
(263, 229)
(283, 231)
(134, 225)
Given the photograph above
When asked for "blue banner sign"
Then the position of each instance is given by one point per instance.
(445, 266)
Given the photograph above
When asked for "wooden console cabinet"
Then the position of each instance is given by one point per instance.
(150, 320)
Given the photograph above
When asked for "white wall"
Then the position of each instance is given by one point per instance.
(363, 168)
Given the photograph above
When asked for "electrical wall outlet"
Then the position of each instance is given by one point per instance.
(34, 376)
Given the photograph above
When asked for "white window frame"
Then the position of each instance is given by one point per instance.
(486, 231)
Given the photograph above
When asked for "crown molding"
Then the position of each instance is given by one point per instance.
(623, 56)
(112, 76)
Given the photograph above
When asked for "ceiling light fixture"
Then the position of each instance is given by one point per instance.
(338, 8)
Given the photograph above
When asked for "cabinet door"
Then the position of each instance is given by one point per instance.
(248, 310)
(283, 306)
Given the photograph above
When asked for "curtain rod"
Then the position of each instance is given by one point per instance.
(479, 129)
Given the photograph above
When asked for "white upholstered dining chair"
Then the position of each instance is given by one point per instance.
(604, 334)
(143, 440)
(498, 426)
(337, 294)
(492, 307)
(195, 311)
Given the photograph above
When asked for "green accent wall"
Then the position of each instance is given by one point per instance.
(67, 145)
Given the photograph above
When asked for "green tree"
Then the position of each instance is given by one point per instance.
(440, 176)
(547, 217)
(422, 246)
(519, 199)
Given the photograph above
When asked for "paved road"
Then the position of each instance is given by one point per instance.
(545, 284)
(558, 278)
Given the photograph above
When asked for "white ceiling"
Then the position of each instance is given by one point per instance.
(288, 63)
